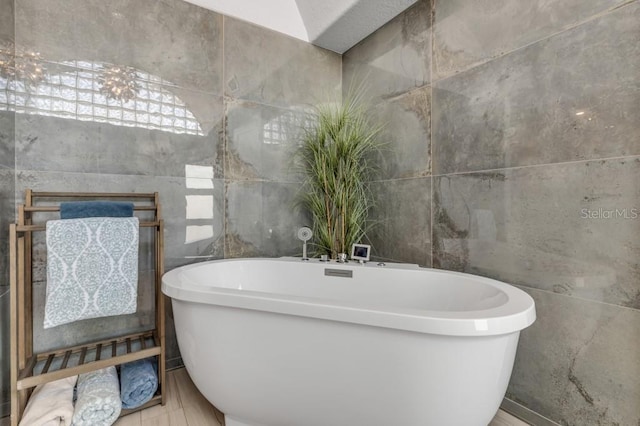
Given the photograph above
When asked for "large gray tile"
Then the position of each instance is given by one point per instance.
(7, 138)
(467, 33)
(570, 228)
(171, 341)
(265, 66)
(7, 208)
(394, 59)
(402, 220)
(5, 361)
(523, 108)
(7, 216)
(261, 141)
(7, 27)
(262, 219)
(578, 363)
(172, 39)
(406, 135)
(71, 145)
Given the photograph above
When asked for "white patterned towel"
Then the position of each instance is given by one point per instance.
(50, 404)
(98, 402)
(92, 268)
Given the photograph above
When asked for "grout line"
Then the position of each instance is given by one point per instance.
(525, 414)
(564, 30)
(474, 172)
(224, 141)
(431, 222)
(432, 146)
(584, 299)
(400, 179)
(561, 163)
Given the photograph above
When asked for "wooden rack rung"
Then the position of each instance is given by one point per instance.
(33, 228)
(28, 369)
(78, 348)
(45, 370)
(65, 361)
(150, 196)
(50, 209)
(29, 376)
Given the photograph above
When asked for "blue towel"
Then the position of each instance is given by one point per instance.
(138, 382)
(83, 209)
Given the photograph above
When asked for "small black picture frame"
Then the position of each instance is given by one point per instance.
(361, 252)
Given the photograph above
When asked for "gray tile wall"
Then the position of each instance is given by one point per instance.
(247, 87)
(395, 65)
(522, 164)
(7, 189)
(270, 81)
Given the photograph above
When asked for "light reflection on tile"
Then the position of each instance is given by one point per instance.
(199, 206)
(262, 141)
(55, 144)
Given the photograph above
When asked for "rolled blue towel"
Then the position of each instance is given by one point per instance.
(138, 382)
(84, 209)
(98, 402)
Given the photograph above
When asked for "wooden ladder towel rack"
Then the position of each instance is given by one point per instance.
(29, 369)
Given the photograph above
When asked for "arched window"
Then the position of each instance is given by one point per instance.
(72, 90)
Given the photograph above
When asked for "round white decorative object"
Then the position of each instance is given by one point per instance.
(304, 234)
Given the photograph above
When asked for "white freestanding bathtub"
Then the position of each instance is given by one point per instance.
(286, 342)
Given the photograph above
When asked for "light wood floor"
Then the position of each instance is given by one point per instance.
(187, 407)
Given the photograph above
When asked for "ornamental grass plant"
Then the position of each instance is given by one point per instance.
(337, 156)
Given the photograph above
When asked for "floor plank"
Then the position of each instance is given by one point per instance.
(132, 419)
(503, 418)
(173, 418)
(189, 394)
(187, 407)
(172, 400)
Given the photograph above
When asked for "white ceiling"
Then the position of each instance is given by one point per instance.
(333, 24)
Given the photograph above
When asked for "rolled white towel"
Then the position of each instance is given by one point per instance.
(98, 402)
(51, 404)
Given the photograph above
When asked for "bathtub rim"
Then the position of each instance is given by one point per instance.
(516, 314)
